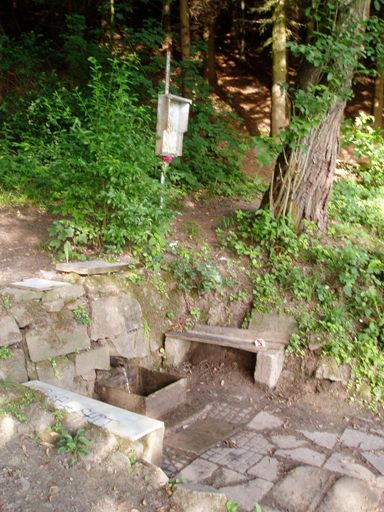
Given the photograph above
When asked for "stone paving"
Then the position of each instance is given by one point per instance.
(275, 463)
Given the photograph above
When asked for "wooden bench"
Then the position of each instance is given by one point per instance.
(268, 345)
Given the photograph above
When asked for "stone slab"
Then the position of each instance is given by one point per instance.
(267, 468)
(201, 435)
(358, 439)
(9, 331)
(350, 494)
(94, 359)
(249, 493)
(324, 439)
(347, 465)
(225, 476)
(37, 284)
(269, 365)
(60, 335)
(198, 471)
(265, 421)
(277, 322)
(288, 442)
(176, 350)
(301, 490)
(59, 371)
(14, 368)
(303, 455)
(87, 268)
(376, 459)
(124, 424)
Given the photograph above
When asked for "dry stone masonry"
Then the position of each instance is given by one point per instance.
(63, 332)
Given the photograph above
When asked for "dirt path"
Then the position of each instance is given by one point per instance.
(22, 231)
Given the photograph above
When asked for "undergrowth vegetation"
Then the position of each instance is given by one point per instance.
(331, 283)
(83, 146)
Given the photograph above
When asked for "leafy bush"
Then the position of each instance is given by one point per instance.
(333, 287)
(368, 145)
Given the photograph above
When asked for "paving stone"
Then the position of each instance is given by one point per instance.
(347, 465)
(376, 459)
(324, 439)
(200, 436)
(350, 495)
(249, 493)
(95, 359)
(9, 331)
(38, 284)
(199, 498)
(362, 440)
(225, 476)
(304, 455)
(198, 471)
(269, 365)
(288, 441)
(265, 421)
(301, 490)
(14, 368)
(267, 468)
(87, 268)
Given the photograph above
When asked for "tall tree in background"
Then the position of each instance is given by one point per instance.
(304, 170)
(279, 119)
(185, 34)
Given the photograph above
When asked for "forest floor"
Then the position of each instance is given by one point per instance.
(219, 382)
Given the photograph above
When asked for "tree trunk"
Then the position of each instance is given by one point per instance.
(378, 100)
(279, 118)
(303, 176)
(185, 36)
(209, 37)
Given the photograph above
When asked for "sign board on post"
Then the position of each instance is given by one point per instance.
(172, 123)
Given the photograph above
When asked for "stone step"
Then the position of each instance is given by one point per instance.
(87, 268)
(144, 435)
(40, 285)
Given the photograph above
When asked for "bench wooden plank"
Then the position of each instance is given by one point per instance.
(250, 345)
(275, 336)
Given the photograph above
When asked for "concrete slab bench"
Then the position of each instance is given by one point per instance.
(268, 345)
(143, 434)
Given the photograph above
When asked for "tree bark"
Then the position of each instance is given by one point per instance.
(303, 176)
(378, 99)
(185, 36)
(279, 119)
(209, 37)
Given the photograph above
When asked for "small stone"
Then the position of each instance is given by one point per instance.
(304, 455)
(345, 464)
(357, 439)
(265, 421)
(350, 494)
(328, 369)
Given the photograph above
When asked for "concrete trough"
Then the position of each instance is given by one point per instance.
(149, 392)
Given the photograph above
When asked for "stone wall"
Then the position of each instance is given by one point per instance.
(64, 335)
